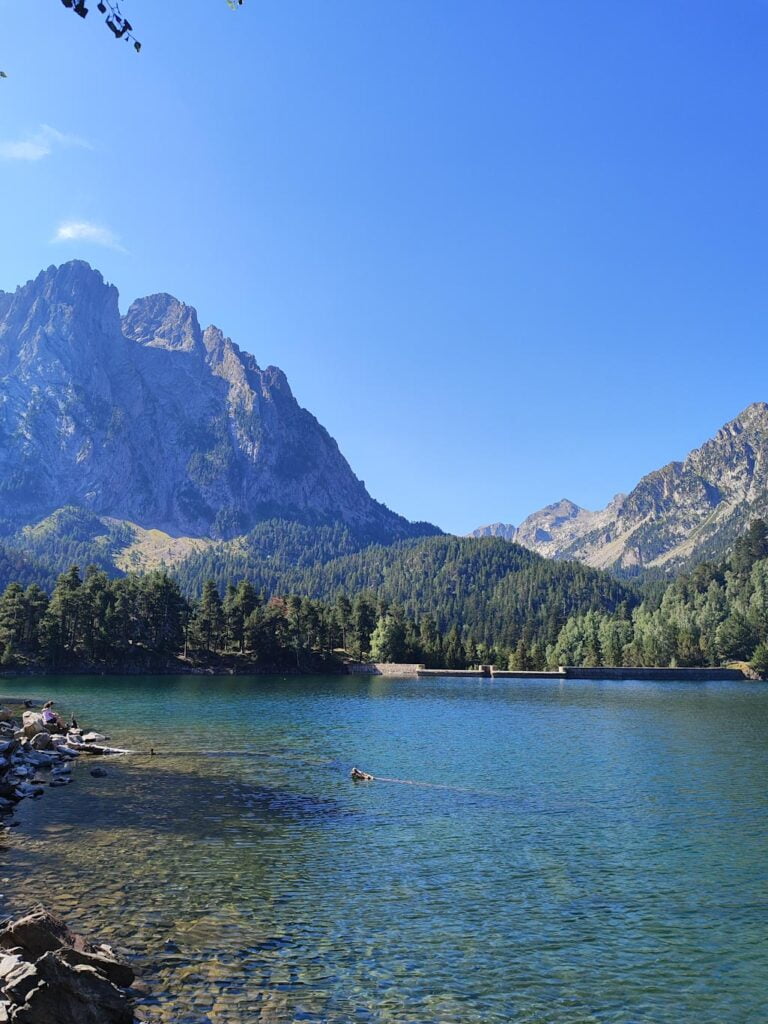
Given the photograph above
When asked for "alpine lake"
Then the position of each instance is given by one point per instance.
(532, 851)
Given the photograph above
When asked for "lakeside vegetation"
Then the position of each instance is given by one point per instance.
(714, 614)
(445, 601)
(144, 623)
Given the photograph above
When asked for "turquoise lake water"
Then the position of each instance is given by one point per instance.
(558, 852)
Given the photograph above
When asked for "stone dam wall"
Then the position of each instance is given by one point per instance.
(384, 668)
(692, 675)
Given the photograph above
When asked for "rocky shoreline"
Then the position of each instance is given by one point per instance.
(175, 668)
(50, 975)
(37, 750)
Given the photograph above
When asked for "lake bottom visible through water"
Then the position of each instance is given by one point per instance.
(548, 852)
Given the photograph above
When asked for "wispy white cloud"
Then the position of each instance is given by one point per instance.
(40, 144)
(86, 231)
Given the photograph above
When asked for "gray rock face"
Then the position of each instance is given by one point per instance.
(50, 975)
(681, 513)
(544, 531)
(504, 530)
(69, 994)
(151, 419)
(37, 933)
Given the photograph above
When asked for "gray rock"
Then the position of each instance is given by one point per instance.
(19, 982)
(27, 789)
(69, 994)
(32, 723)
(40, 932)
(116, 971)
(8, 962)
(42, 741)
(41, 760)
(66, 751)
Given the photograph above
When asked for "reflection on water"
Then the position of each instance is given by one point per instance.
(557, 853)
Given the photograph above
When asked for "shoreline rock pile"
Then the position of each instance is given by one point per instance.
(38, 751)
(50, 975)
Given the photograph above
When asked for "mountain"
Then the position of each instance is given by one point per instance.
(150, 420)
(677, 515)
(504, 530)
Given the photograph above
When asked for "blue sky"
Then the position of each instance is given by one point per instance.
(506, 252)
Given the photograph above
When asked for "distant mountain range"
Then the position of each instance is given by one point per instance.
(144, 440)
(149, 420)
(675, 516)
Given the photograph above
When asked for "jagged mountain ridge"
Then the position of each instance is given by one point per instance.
(676, 515)
(148, 418)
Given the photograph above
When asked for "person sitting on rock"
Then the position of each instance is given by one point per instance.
(51, 720)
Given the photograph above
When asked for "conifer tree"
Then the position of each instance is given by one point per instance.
(208, 620)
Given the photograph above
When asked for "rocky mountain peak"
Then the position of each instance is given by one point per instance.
(563, 509)
(228, 361)
(753, 419)
(66, 317)
(73, 291)
(682, 512)
(504, 530)
(162, 321)
(113, 416)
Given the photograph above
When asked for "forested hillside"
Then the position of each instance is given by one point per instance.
(497, 593)
(16, 565)
(444, 601)
(70, 536)
(716, 613)
(145, 624)
(266, 555)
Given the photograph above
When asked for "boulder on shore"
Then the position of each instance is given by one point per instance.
(40, 932)
(32, 723)
(51, 975)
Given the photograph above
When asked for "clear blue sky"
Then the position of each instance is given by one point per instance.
(505, 251)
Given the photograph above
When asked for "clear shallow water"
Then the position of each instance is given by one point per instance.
(574, 853)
